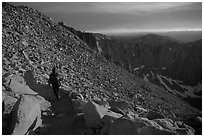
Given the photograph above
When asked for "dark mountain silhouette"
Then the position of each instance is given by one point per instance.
(32, 44)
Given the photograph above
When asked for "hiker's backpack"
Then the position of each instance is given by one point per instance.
(53, 80)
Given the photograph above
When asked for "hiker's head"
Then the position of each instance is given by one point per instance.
(53, 69)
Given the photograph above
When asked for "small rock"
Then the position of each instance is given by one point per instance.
(100, 102)
(166, 124)
(132, 115)
(75, 95)
(154, 115)
(48, 114)
(46, 76)
(141, 109)
(25, 43)
(117, 110)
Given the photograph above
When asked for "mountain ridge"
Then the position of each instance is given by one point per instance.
(153, 42)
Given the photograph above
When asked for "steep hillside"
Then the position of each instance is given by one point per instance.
(153, 54)
(182, 61)
(32, 44)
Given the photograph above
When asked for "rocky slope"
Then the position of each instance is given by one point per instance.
(154, 55)
(182, 61)
(32, 44)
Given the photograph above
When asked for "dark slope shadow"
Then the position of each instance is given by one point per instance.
(42, 89)
(55, 125)
(59, 106)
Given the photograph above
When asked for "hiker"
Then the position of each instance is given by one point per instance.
(55, 82)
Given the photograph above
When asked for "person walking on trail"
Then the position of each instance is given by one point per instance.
(53, 80)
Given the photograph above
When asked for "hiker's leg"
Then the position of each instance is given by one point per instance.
(55, 91)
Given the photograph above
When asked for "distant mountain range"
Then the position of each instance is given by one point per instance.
(184, 36)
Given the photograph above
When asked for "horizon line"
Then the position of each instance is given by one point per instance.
(130, 31)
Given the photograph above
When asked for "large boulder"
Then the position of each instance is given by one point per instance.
(25, 115)
(8, 101)
(18, 78)
(44, 104)
(77, 105)
(107, 120)
(118, 105)
(18, 88)
(93, 113)
(123, 126)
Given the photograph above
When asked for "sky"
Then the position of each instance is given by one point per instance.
(124, 17)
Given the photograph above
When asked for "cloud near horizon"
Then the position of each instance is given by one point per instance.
(120, 17)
